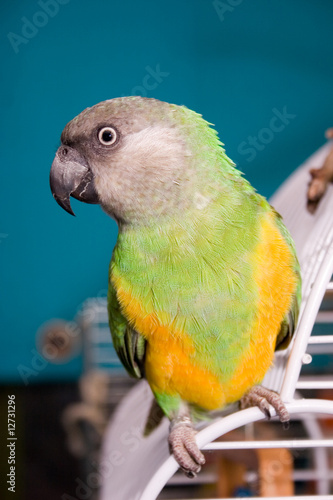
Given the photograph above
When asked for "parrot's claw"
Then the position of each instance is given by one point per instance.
(183, 445)
(262, 397)
(317, 188)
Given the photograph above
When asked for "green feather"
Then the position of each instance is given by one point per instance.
(129, 345)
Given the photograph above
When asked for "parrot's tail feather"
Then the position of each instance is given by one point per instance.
(155, 417)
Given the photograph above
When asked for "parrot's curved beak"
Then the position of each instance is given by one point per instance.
(71, 176)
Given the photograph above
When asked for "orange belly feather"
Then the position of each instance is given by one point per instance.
(169, 367)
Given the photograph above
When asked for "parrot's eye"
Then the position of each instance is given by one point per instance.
(107, 136)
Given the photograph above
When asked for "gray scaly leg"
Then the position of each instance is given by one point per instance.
(183, 445)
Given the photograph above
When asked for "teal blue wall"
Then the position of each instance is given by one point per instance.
(239, 69)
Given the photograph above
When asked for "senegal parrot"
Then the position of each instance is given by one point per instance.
(204, 282)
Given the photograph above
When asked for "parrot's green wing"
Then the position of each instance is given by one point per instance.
(289, 323)
(129, 345)
(288, 326)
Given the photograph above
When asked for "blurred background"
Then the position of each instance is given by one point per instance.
(260, 71)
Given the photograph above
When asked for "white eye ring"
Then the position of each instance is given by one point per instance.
(107, 136)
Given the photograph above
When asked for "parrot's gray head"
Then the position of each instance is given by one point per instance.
(128, 154)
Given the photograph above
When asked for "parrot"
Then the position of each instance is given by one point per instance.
(204, 281)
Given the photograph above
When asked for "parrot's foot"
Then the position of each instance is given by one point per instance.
(320, 178)
(261, 397)
(317, 187)
(183, 445)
